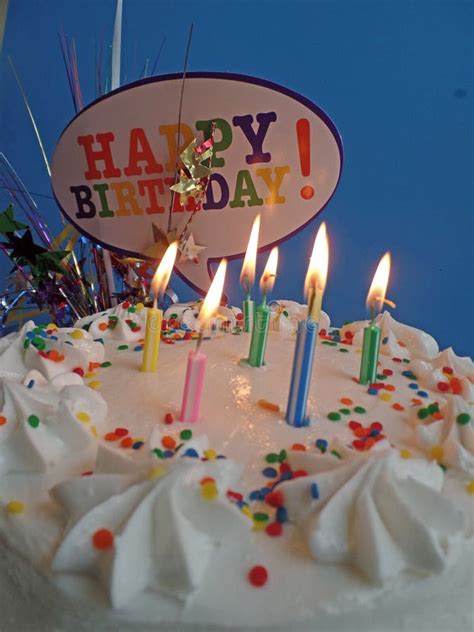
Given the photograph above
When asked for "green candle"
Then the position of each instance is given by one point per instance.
(370, 354)
(249, 314)
(258, 341)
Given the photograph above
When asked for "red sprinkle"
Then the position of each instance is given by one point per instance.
(274, 529)
(376, 425)
(103, 539)
(298, 447)
(397, 359)
(353, 425)
(284, 467)
(299, 473)
(443, 386)
(447, 370)
(456, 386)
(169, 418)
(275, 499)
(234, 495)
(121, 432)
(387, 372)
(258, 576)
(79, 371)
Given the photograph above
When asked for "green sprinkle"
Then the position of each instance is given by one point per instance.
(260, 516)
(333, 416)
(381, 376)
(39, 343)
(423, 413)
(433, 408)
(443, 467)
(344, 411)
(185, 435)
(343, 350)
(173, 316)
(122, 347)
(282, 456)
(37, 329)
(34, 421)
(406, 360)
(330, 343)
(87, 326)
(104, 365)
(132, 309)
(272, 458)
(159, 453)
(26, 344)
(336, 454)
(463, 419)
(359, 409)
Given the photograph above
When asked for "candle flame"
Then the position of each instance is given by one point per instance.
(376, 295)
(164, 269)
(247, 276)
(268, 277)
(318, 264)
(214, 294)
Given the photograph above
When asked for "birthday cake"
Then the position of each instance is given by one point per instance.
(115, 515)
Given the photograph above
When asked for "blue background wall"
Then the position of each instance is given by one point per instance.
(395, 77)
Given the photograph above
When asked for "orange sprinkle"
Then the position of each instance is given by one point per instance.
(298, 447)
(369, 442)
(398, 407)
(103, 539)
(168, 442)
(456, 385)
(437, 416)
(416, 402)
(268, 405)
(111, 436)
(360, 432)
(103, 326)
(347, 401)
(53, 354)
(389, 387)
(3, 420)
(207, 479)
(94, 365)
(127, 442)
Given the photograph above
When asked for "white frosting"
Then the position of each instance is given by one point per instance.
(187, 314)
(453, 441)
(116, 323)
(71, 348)
(42, 432)
(380, 513)
(396, 339)
(164, 530)
(430, 374)
(285, 316)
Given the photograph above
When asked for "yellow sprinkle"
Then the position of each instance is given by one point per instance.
(247, 512)
(358, 350)
(94, 432)
(210, 454)
(470, 487)
(405, 454)
(15, 507)
(52, 326)
(77, 334)
(139, 307)
(82, 416)
(259, 525)
(209, 490)
(385, 396)
(437, 452)
(96, 384)
(157, 471)
(90, 375)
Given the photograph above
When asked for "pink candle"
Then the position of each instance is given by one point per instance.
(191, 406)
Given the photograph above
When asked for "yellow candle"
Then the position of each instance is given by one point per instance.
(154, 316)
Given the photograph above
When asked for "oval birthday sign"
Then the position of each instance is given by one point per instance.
(275, 152)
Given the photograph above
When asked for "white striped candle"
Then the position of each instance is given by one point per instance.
(301, 373)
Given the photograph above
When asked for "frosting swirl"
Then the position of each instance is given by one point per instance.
(162, 532)
(285, 315)
(122, 322)
(378, 512)
(448, 374)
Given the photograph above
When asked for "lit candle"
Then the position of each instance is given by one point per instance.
(307, 333)
(197, 360)
(258, 342)
(154, 315)
(247, 276)
(371, 343)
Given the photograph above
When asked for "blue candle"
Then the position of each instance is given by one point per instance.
(301, 372)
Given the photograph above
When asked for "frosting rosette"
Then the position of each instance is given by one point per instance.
(186, 314)
(49, 427)
(447, 373)
(377, 512)
(446, 432)
(285, 316)
(50, 350)
(122, 322)
(156, 535)
(396, 340)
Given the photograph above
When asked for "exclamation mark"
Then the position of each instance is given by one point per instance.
(304, 148)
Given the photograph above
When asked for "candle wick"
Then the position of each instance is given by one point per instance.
(199, 339)
(312, 298)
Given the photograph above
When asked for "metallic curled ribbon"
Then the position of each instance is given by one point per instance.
(194, 176)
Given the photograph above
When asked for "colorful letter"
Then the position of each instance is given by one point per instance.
(83, 198)
(219, 145)
(244, 177)
(140, 151)
(210, 202)
(126, 200)
(150, 187)
(94, 155)
(273, 184)
(101, 189)
(256, 138)
(171, 133)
